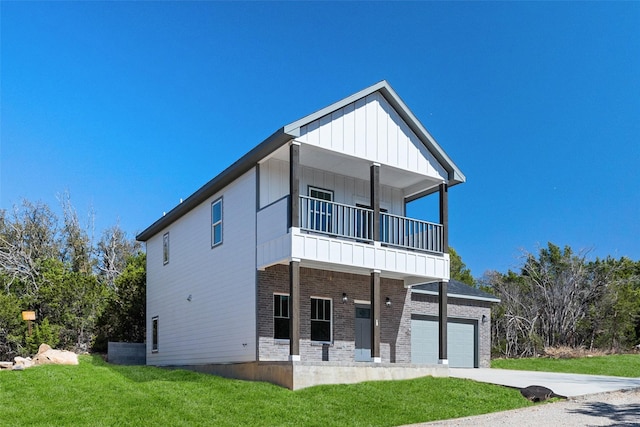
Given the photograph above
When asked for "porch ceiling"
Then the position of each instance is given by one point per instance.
(317, 158)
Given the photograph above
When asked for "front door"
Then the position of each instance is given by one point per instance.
(363, 333)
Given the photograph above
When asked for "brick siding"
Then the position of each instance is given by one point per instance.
(395, 327)
(460, 309)
(328, 284)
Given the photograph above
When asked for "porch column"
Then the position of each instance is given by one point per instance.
(375, 200)
(442, 287)
(442, 324)
(375, 316)
(294, 310)
(294, 185)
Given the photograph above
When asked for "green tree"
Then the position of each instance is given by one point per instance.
(43, 333)
(458, 269)
(12, 327)
(125, 314)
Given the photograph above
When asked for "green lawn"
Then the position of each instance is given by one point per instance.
(620, 365)
(99, 394)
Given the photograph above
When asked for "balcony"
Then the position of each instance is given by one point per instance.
(350, 222)
(340, 237)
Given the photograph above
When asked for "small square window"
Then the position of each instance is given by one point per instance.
(281, 317)
(216, 223)
(165, 248)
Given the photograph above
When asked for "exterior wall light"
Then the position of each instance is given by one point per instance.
(387, 302)
(189, 298)
(484, 319)
(344, 298)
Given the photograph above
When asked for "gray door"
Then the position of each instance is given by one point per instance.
(461, 341)
(363, 333)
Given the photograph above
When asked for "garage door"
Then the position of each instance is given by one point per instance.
(461, 341)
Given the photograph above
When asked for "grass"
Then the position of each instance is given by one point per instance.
(99, 394)
(619, 365)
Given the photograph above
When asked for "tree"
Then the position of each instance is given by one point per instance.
(27, 238)
(124, 317)
(560, 299)
(113, 251)
(51, 267)
(458, 269)
(613, 320)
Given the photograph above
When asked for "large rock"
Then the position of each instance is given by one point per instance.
(23, 362)
(6, 365)
(43, 348)
(58, 357)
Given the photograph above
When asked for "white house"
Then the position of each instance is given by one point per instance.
(300, 258)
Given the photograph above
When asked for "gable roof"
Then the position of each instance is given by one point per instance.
(291, 131)
(455, 289)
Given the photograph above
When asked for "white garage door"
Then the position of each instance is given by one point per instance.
(461, 341)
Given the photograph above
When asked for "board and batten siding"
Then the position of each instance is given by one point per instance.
(371, 129)
(274, 184)
(218, 325)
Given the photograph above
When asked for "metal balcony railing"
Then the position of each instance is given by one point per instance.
(410, 233)
(336, 219)
(356, 223)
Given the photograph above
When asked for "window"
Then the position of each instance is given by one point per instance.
(320, 319)
(281, 317)
(216, 223)
(154, 334)
(165, 248)
(321, 209)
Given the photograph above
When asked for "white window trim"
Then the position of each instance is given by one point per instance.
(273, 316)
(330, 321)
(221, 222)
(321, 190)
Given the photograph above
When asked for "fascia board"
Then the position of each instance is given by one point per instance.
(459, 296)
(293, 128)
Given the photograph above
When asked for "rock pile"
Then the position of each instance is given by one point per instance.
(46, 356)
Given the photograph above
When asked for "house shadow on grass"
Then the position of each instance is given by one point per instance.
(620, 415)
(143, 373)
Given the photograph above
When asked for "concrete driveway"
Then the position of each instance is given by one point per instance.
(569, 385)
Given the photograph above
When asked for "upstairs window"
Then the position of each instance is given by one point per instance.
(216, 223)
(320, 319)
(165, 248)
(281, 317)
(321, 209)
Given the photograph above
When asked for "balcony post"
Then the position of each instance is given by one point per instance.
(375, 200)
(444, 216)
(294, 310)
(294, 185)
(375, 316)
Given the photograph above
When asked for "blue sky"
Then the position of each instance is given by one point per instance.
(130, 106)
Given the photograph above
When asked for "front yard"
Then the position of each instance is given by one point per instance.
(99, 394)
